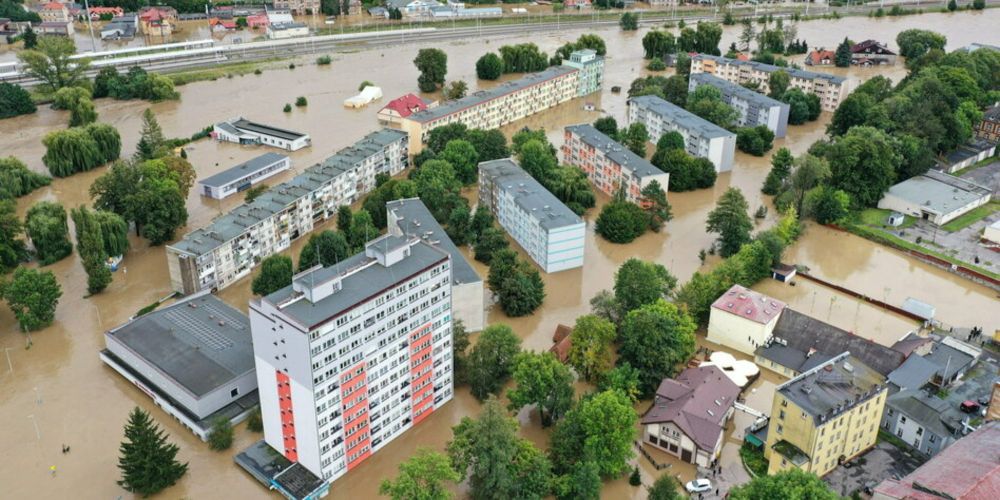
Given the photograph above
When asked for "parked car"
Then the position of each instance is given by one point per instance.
(698, 486)
(984, 400)
(969, 406)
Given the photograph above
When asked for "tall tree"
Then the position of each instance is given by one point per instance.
(326, 248)
(842, 57)
(655, 339)
(623, 378)
(541, 380)
(14, 101)
(863, 163)
(32, 296)
(600, 430)
(275, 274)
(90, 245)
(590, 351)
(433, 66)
(638, 283)
(706, 102)
(362, 230)
(50, 63)
(151, 144)
(148, 463)
(423, 476)
(914, 43)
(635, 138)
(792, 483)
(221, 436)
(12, 248)
(657, 207)
(777, 83)
(665, 488)
(77, 101)
(45, 224)
(459, 346)
(16, 180)
(621, 221)
(462, 156)
(607, 125)
(489, 66)
(747, 35)
(491, 360)
(781, 167)
(731, 221)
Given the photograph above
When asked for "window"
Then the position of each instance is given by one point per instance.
(784, 402)
(902, 419)
(780, 428)
(933, 438)
(235, 392)
(781, 415)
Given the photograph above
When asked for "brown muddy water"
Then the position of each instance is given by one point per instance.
(60, 385)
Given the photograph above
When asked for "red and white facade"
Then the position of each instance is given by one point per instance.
(351, 356)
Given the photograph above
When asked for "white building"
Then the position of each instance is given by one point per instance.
(409, 217)
(702, 138)
(351, 356)
(544, 227)
(935, 196)
(281, 31)
(242, 131)
(216, 256)
(609, 165)
(992, 233)
(754, 108)
(194, 358)
(244, 175)
(743, 319)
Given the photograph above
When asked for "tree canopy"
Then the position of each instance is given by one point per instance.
(656, 338)
(45, 224)
(16, 180)
(14, 101)
(275, 274)
(50, 63)
(491, 360)
(433, 67)
(423, 476)
(792, 483)
(148, 463)
(541, 379)
(638, 283)
(32, 296)
(591, 345)
(731, 221)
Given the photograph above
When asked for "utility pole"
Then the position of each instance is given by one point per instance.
(90, 24)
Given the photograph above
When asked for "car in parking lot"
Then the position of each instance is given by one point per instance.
(698, 486)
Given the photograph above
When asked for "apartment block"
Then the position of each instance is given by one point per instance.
(547, 230)
(702, 138)
(299, 7)
(754, 108)
(510, 101)
(610, 166)
(244, 175)
(351, 356)
(825, 416)
(216, 256)
(830, 89)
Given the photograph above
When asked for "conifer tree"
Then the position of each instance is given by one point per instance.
(147, 462)
(151, 142)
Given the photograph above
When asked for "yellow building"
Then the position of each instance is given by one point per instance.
(825, 416)
(743, 319)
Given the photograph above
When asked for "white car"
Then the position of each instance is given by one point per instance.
(698, 486)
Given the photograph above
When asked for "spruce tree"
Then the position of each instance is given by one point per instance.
(842, 57)
(151, 142)
(147, 462)
(781, 167)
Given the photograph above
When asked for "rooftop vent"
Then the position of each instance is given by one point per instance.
(848, 367)
(807, 389)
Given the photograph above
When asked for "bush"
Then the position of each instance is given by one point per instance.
(635, 479)
(301, 102)
(221, 437)
(754, 140)
(287, 108)
(323, 60)
(255, 423)
(621, 222)
(489, 67)
(656, 64)
(291, 66)
(14, 101)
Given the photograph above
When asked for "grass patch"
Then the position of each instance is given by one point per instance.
(972, 216)
(878, 217)
(879, 236)
(893, 440)
(215, 72)
(976, 165)
(753, 459)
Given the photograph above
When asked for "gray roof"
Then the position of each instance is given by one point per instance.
(803, 333)
(698, 402)
(286, 26)
(243, 170)
(939, 192)
(259, 128)
(240, 219)
(770, 68)
(415, 220)
(201, 343)
(362, 278)
(681, 117)
(732, 89)
(948, 359)
(529, 194)
(965, 151)
(619, 154)
(477, 98)
(833, 387)
(931, 412)
(913, 373)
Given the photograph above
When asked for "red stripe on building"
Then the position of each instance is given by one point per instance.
(287, 416)
(361, 458)
(421, 395)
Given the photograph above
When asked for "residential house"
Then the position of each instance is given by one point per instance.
(96, 12)
(689, 414)
(56, 20)
(402, 107)
(989, 128)
(935, 196)
(827, 415)
(702, 138)
(922, 420)
(754, 108)
(743, 319)
(281, 31)
(821, 57)
(121, 27)
(298, 7)
(611, 167)
(157, 21)
(871, 53)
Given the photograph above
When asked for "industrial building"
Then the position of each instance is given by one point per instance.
(244, 175)
(754, 108)
(231, 246)
(702, 138)
(242, 131)
(611, 167)
(544, 227)
(935, 196)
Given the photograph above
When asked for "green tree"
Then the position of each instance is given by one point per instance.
(863, 164)
(541, 380)
(707, 38)
(14, 101)
(462, 156)
(747, 35)
(326, 248)
(635, 138)
(522, 58)
(583, 483)
(460, 226)
(792, 483)
(600, 429)
(658, 44)
(521, 291)
(362, 230)
(491, 360)
(423, 476)
(634, 478)
(670, 141)
(147, 193)
(781, 168)
(77, 101)
(655, 338)
(439, 137)
(12, 249)
(459, 346)
(221, 436)
(255, 422)
(490, 144)
(590, 351)
(30, 38)
(50, 63)
(537, 159)
(433, 66)
(45, 224)
(675, 89)
(731, 221)
(976, 4)
(639, 283)
(91, 247)
(621, 222)
(151, 144)
(706, 102)
(914, 43)
(952, 5)
(490, 241)
(147, 462)
(455, 90)
(799, 106)
(657, 207)
(481, 220)
(826, 204)
(842, 57)
(809, 172)
(754, 140)
(70, 151)
(16, 180)
(607, 125)
(489, 67)
(629, 22)
(109, 144)
(275, 274)
(623, 378)
(852, 111)
(665, 488)
(32, 296)
(253, 193)
(777, 83)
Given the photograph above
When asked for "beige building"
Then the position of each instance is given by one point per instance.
(743, 319)
(54, 12)
(831, 89)
(610, 166)
(301, 7)
(825, 416)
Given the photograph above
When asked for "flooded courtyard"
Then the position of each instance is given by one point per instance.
(58, 392)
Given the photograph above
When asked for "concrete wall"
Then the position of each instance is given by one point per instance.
(673, 435)
(722, 150)
(738, 333)
(565, 248)
(469, 305)
(892, 202)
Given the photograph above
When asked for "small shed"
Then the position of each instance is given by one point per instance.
(921, 309)
(783, 272)
(896, 219)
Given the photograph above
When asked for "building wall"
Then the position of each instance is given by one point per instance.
(606, 174)
(775, 367)
(892, 202)
(988, 129)
(738, 333)
(830, 94)
(669, 438)
(565, 248)
(720, 150)
(220, 192)
(913, 433)
(469, 303)
(992, 233)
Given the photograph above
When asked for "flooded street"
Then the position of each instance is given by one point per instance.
(60, 385)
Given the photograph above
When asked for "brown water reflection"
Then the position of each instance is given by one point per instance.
(83, 404)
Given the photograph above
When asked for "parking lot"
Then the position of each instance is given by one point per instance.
(883, 461)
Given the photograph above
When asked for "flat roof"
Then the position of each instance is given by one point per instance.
(940, 192)
(733, 89)
(619, 154)
(477, 98)
(415, 220)
(770, 68)
(238, 221)
(833, 387)
(260, 128)
(529, 194)
(242, 170)
(201, 343)
(362, 278)
(680, 116)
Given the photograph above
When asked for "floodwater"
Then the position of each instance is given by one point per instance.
(60, 386)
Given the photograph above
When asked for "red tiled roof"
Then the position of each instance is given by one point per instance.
(406, 105)
(562, 331)
(749, 304)
(53, 6)
(969, 469)
(562, 345)
(697, 402)
(817, 56)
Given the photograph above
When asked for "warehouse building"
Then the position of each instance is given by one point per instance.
(935, 196)
(242, 131)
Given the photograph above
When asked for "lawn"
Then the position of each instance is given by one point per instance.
(975, 215)
(878, 217)
(753, 459)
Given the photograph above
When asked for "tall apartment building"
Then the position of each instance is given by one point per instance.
(609, 165)
(350, 356)
(754, 108)
(547, 230)
(510, 101)
(702, 138)
(825, 416)
(299, 7)
(830, 89)
(214, 257)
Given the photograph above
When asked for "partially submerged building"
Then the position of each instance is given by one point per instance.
(702, 138)
(610, 166)
(244, 175)
(935, 196)
(743, 319)
(243, 131)
(754, 108)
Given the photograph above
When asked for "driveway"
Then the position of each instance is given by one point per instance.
(881, 462)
